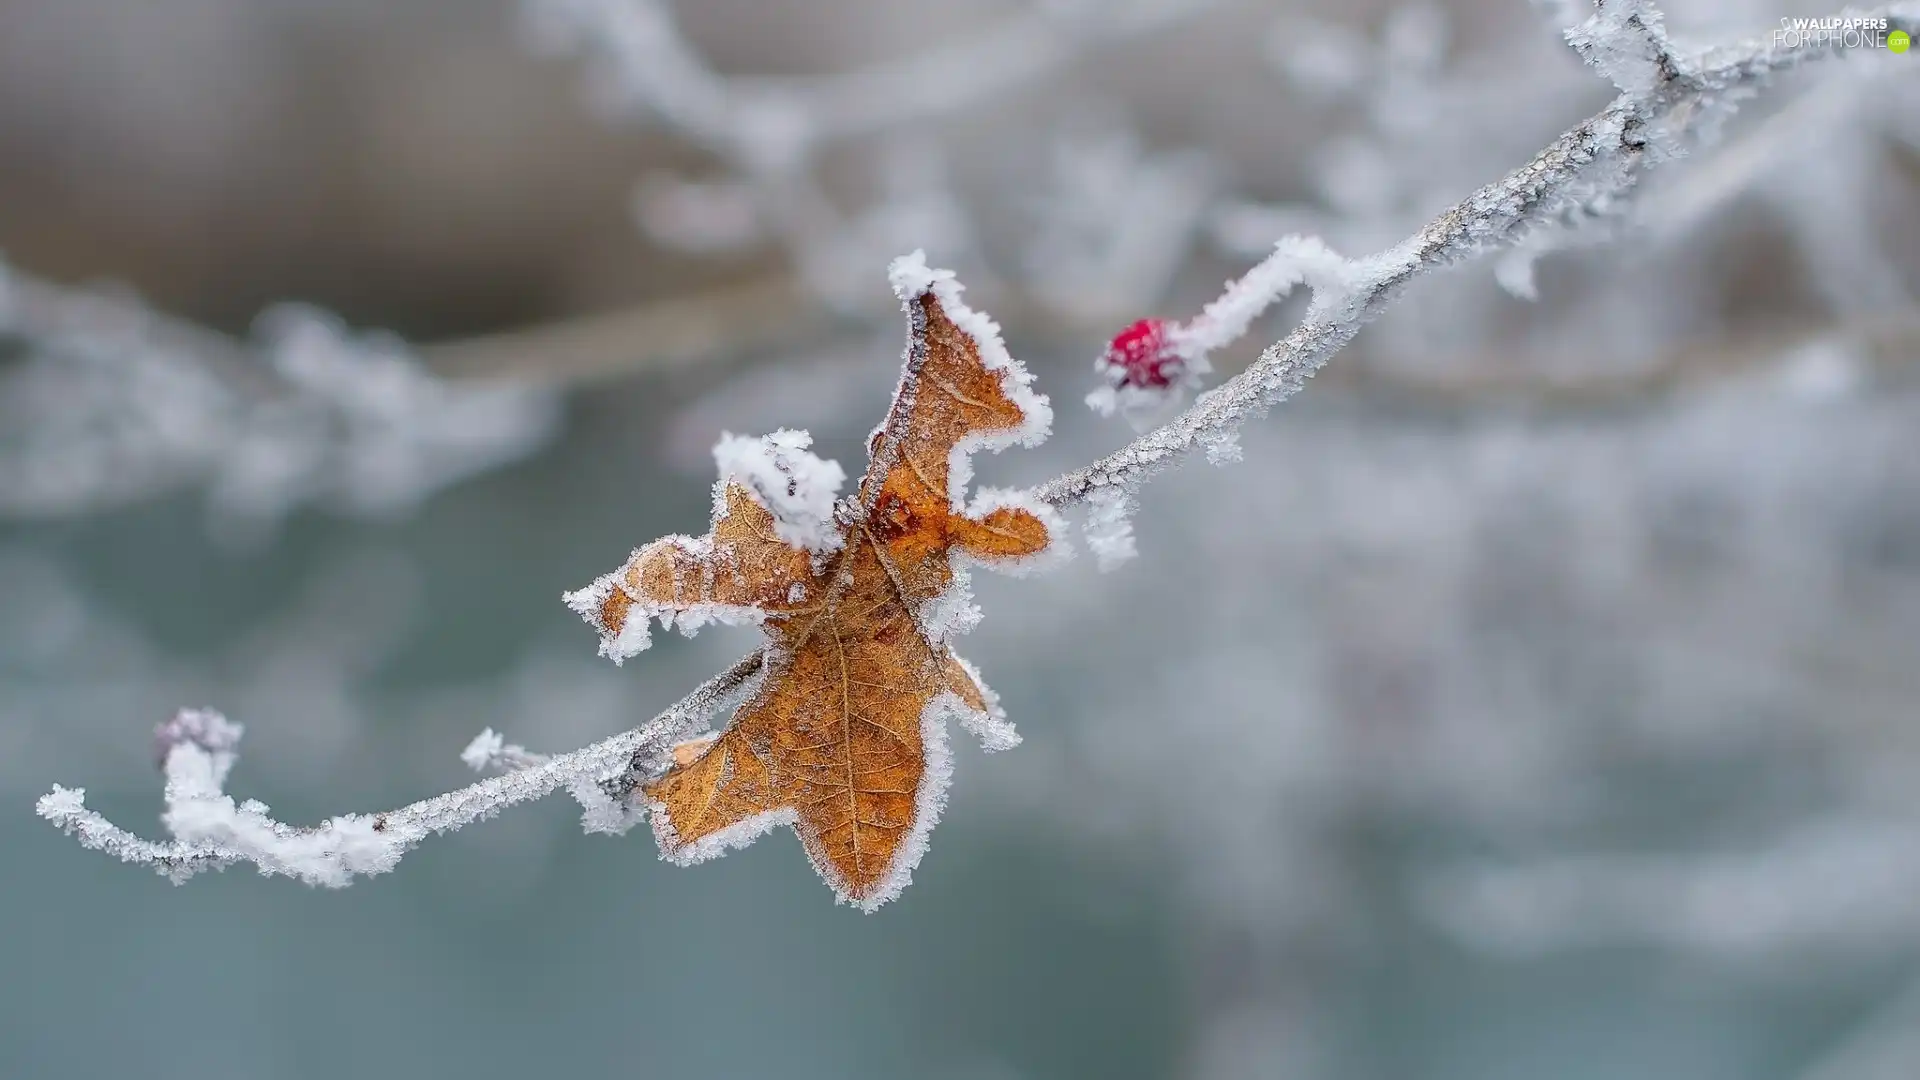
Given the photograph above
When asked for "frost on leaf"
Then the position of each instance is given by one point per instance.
(794, 485)
(845, 739)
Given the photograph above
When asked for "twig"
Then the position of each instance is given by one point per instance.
(36, 309)
(213, 833)
(1877, 347)
(1616, 142)
(770, 123)
(704, 330)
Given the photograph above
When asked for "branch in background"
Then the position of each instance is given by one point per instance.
(1776, 903)
(707, 331)
(111, 402)
(1667, 100)
(771, 132)
(769, 124)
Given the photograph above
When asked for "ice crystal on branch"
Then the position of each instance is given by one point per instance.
(1109, 526)
(845, 740)
(1626, 40)
(491, 750)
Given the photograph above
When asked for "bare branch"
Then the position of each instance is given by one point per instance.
(769, 123)
(701, 330)
(212, 832)
(112, 401)
(1598, 160)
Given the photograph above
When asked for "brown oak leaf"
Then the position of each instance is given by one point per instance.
(845, 737)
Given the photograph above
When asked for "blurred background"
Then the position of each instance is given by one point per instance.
(1537, 698)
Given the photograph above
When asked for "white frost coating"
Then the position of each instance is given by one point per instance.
(1295, 260)
(198, 747)
(633, 638)
(601, 813)
(1057, 552)
(771, 133)
(1224, 448)
(910, 276)
(491, 750)
(785, 477)
(634, 635)
(1137, 403)
(1591, 164)
(1625, 40)
(929, 799)
(1589, 171)
(715, 844)
(951, 613)
(63, 804)
(911, 279)
(995, 732)
(1109, 526)
(1514, 272)
(483, 750)
(769, 467)
(205, 729)
(992, 728)
(692, 618)
(210, 831)
(113, 402)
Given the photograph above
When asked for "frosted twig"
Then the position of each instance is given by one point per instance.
(772, 122)
(210, 831)
(771, 132)
(491, 750)
(115, 402)
(1594, 163)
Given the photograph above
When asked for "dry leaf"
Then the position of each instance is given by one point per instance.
(845, 738)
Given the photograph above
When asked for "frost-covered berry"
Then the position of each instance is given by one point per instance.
(1143, 372)
(1138, 356)
(203, 728)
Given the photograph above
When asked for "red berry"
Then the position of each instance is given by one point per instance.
(1140, 352)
